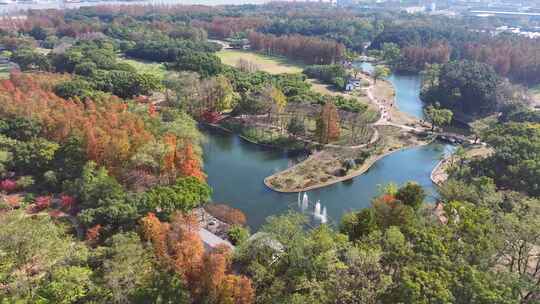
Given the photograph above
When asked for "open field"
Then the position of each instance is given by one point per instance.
(270, 64)
(280, 65)
(157, 69)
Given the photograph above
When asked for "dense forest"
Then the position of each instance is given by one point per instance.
(101, 167)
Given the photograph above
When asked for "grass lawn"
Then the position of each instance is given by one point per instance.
(155, 68)
(270, 64)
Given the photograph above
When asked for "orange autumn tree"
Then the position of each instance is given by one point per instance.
(156, 232)
(180, 159)
(111, 134)
(187, 247)
(179, 247)
(190, 164)
(328, 129)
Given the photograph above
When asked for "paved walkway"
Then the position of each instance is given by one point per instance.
(212, 241)
(384, 109)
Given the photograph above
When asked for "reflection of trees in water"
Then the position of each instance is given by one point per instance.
(224, 141)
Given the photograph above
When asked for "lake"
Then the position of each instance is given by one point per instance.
(236, 170)
(407, 90)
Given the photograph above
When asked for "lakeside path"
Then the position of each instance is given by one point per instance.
(381, 96)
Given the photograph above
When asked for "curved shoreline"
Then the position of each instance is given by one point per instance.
(437, 170)
(242, 137)
(382, 121)
(363, 169)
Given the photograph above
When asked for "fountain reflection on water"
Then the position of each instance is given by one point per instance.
(319, 215)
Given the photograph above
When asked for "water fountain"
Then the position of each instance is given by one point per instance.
(305, 202)
(318, 209)
(324, 216)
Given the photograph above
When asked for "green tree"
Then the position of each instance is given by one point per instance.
(128, 267)
(412, 194)
(74, 88)
(186, 194)
(86, 68)
(391, 53)
(68, 285)
(38, 33)
(296, 126)
(515, 162)
(102, 199)
(31, 60)
(205, 64)
(359, 224)
(237, 234)
(466, 87)
(34, 156)
(39, 244)
(50, 42)
(126, 84)
(438, 116)
(20, 128)
(380, 72)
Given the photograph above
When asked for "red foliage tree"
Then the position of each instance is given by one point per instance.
(8, 185)
(210, 116)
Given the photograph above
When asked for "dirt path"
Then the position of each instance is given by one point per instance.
(388, 110)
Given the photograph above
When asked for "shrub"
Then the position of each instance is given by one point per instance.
(296, 126)
(24, 182)
(41, 203)
(67, 202)
(8, 185)
(50, 178)
(237, 234)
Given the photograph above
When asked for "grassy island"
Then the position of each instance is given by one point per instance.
(332, 165)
